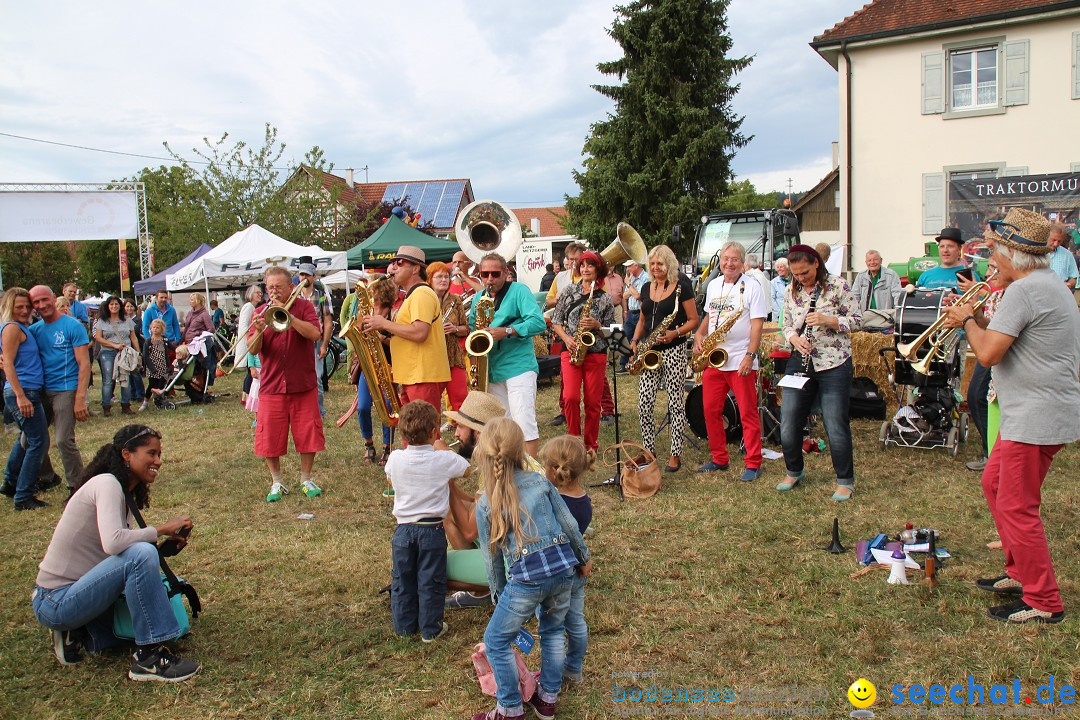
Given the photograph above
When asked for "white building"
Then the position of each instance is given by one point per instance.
(934, 95)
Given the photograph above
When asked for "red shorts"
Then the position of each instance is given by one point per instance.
(278, 413)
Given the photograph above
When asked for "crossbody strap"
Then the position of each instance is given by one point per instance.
(176, 584)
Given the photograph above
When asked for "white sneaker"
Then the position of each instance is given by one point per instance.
(277, 491)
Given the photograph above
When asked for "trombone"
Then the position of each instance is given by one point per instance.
(942, 340)
(277, 317)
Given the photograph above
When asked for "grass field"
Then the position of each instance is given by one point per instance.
(713, 583)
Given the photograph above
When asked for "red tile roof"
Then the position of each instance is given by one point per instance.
(549, 217)
(882, 18)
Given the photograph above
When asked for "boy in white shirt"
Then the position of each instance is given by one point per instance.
(421, 479)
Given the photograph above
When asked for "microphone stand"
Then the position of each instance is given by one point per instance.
(617, 346)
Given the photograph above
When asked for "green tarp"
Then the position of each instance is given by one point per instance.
(379, 249)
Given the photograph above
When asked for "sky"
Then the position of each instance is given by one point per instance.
(495, 91)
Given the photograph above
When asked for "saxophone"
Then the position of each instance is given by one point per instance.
(712, 355)
(479, 343)
(373, 363)
(583, 338)
(646, 358)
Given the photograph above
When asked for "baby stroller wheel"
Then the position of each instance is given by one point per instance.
(883, 436)
(964, 427)
(953, 441)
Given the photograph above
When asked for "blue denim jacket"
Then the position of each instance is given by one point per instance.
(552, 524)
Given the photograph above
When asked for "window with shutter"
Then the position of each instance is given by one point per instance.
(1076, 66)
(933, 203)
(933, 83)
(1016, 72)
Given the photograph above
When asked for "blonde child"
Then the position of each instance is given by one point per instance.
(565, 461)
(156, 361)
(532, 547)
(421, 478)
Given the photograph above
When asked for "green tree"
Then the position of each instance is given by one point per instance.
(664, 155)
(99, 265)
(178, 214)
(39, 263)
(743, 196)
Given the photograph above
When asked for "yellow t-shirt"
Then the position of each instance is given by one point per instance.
(426, 361)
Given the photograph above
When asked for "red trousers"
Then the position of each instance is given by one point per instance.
(430, 391)
(591, 375)
(715, 386)
(457, 388)
(1012, 483)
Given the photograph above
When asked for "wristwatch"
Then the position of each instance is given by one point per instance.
(510, 331)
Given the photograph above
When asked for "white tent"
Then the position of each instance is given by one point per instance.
(242, 258)
(343, 280)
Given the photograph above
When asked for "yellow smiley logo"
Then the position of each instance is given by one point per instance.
(862, 693)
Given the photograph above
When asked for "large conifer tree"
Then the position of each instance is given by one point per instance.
(664, 155)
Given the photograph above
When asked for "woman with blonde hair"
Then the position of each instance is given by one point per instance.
(24, 392)
(523, 526)
(668, 291)
(199, 321)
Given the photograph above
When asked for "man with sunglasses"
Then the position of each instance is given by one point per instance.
(417, 342)
(512, 366)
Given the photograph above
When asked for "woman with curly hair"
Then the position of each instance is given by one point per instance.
(96, 555)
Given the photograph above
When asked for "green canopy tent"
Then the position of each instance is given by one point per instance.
(379, 249)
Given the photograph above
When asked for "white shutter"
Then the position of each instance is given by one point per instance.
(1015, 171)
(1016, 72)
(1076, 66)
(933, 206)
(933, 84)
(1075, 167)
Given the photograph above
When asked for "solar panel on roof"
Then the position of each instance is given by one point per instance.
(448, 205)
(436, 201)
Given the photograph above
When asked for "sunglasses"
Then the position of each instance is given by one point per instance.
(494, 274)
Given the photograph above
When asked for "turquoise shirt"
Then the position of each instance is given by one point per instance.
(515, 355)
(941, 277)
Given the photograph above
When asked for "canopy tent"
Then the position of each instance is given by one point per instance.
(342, 280)
(379, 249)
(242, 258)
(156, 282)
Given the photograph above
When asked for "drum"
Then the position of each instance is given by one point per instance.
(695, 415)
(918, 311)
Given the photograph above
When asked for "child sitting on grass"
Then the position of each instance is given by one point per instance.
(531, 545)
(565, 460)
(421, 479)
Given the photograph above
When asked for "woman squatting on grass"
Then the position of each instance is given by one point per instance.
(95, 556)
(531, 545)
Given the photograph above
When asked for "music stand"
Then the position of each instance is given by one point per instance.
(617, 348)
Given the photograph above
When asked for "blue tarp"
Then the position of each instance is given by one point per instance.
(156, 282)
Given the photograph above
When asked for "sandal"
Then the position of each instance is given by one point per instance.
(369, 453)
(385, 455)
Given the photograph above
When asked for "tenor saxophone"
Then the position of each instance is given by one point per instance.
(712, 355)
(479, 343)
(646, 358)
(373, 363)
(583, 338)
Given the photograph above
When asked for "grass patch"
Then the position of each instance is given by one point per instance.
(713, 583)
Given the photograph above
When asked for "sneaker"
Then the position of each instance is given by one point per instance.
(48, 483)
(66, 646)
(1021, 612)
(976, 465)
(8, 490)
(712, 467)
(31, 504)
(442, 631)
(1003, 585)
(143, 406)
(574, 678)
(557, 420)
(277, 491)
(541, 708)
(751, 474)
(497, 714)
(466, 599)
(310, 489)
(388, 492)
(158, 663)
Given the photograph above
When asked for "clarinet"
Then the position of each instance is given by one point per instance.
(808, 330)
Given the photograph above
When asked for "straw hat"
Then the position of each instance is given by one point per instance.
(1023, 230)
(478, 409)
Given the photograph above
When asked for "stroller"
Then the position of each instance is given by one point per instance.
(929, 413)
(192, 373)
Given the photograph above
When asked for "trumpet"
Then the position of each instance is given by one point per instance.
(277, 318)
(942, 340)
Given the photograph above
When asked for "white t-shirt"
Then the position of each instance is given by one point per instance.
(421, 476)
(722, 297)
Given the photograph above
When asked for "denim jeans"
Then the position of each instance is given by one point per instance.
(976, 399)
(88, 601)
(517, 603)
(832, 388)
(418, 579)
(105, 362)
(363, 412)
(23, 466)
(137, 387)
(577, 630)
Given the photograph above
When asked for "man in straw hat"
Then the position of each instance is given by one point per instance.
(417, 342)
(1033, 345)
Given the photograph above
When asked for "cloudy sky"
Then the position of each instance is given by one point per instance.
(496, 91)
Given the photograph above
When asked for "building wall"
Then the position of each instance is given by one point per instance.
(895, 145)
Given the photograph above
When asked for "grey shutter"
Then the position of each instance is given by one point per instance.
(1076, 66)
(933, 84)
(933, 206)
(1075, 167)
(1016, 72)
(1015, 171)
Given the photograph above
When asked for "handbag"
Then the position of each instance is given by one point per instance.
(176, 588)
(527, 681)
(641, 474)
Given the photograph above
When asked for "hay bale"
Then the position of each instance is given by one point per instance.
(869, 363)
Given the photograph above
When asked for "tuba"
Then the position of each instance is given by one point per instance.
(373, 364)
(627, 245)
(486, 226)
(479, 343)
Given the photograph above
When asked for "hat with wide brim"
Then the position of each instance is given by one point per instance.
(411, 253)
(1023, 230)
(478, 409)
